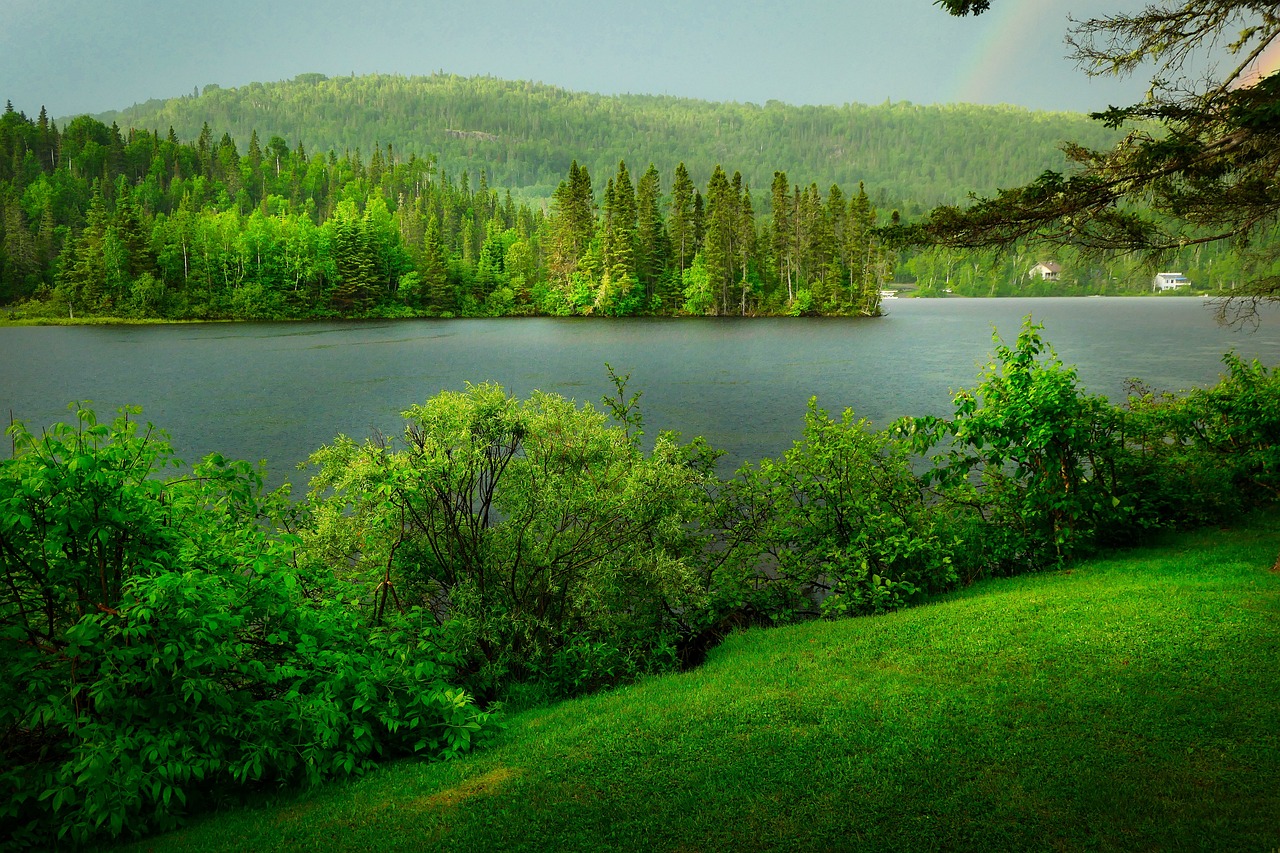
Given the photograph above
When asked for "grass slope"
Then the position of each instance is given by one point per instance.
(1128, 703)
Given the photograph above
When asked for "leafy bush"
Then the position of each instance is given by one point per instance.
(839, 520)
(1023, 463)
(1207, 454)
(159, 643)
(1237, 421)
(527, 529)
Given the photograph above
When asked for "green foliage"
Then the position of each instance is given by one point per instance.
(1028, 453)
(527, 528)
(1129, 704)
(1208, 454)
(839, 522)
(526, 132)
(162, 647)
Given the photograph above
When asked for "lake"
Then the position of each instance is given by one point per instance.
(279, 390)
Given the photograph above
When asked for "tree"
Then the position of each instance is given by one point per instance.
(781, 230)
(717, 250)
(620, 226)
(1199, 162)
(652, 247)
(572, 221)
(435, 283)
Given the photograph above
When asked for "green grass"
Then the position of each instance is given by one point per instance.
(1128, 703)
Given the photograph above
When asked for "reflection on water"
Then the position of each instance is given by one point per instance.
(279, 390)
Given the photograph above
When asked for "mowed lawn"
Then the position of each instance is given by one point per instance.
(1127, 703)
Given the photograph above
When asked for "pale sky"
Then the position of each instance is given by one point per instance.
(76, 56)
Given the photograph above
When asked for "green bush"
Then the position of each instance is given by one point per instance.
(839, 523)
(527, 528)
(1207, 454)
(159, 644)
(1024, 465)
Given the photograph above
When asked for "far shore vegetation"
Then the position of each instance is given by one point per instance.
(97, 220)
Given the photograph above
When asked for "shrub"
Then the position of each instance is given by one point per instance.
(839, 520)
(1024, 462)
(526, 528)
(159, 644)
(1207, 454)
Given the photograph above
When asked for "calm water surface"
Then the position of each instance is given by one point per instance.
(279, 390)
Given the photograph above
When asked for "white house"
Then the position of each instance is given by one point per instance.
(1169, 281)
(1045, 270)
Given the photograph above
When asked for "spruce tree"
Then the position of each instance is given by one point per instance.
(782, 232)
(651, 238)
(717, 243)
(682, 227)
(437, 292)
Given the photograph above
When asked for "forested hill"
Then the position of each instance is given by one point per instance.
(525, 135)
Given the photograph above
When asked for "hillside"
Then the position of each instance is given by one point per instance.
(1127, 703)
(525, 135)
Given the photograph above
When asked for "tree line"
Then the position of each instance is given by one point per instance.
(527, 133)
(99, 221)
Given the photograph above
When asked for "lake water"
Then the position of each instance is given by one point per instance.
(279, 390)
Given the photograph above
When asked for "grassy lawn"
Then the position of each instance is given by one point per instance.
(1128, 703)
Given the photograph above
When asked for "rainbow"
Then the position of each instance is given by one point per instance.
(1266, 65)
(1006, 31)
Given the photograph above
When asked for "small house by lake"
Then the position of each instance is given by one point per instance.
(1165, 281)
(1046, 271)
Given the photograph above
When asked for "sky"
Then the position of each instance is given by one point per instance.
(78, 56)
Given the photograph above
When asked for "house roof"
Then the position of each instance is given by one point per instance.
(1051, 266)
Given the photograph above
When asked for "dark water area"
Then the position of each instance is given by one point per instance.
(277, 391)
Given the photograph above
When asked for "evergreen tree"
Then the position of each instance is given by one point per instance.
(745, 243)
(19, 260)
(718, 242)
(572, 223)
(82, 274)
(652, 248)
(682, 229)
(437, 292)
(354, 261)
(620, 227)
(128, 228)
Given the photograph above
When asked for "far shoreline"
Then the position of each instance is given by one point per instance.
(8, 320)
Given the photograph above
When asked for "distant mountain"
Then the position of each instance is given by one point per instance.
(524, 135)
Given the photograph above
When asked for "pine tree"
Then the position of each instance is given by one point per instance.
(717, 243)
(19, 259)
(354, 261)
(204, 150)
(128, 227)
(437, 292)
(745, 244)
(572, 223)
(82, 273)
(868, 259)
(782, 232)
(620, 230)
(652, 249)
(683, 230)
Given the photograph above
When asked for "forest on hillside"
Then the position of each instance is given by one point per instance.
(594, 211)
(525, 134)
(99, 221)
